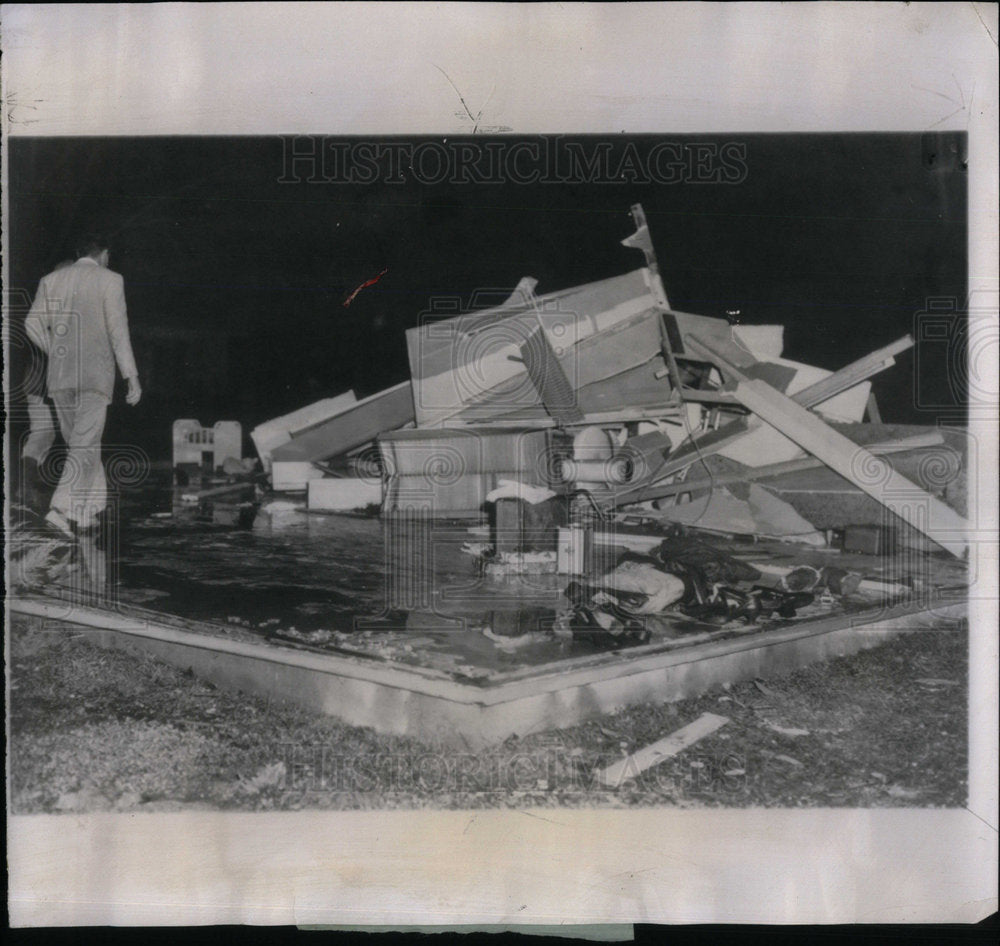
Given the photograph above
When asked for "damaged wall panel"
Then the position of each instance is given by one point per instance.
(356, 425)
(468, 369)
(450, 472)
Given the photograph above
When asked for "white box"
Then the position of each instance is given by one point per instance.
(342, 494)
(290, 476)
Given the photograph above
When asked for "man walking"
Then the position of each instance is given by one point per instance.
(41, 428)
(79, 320)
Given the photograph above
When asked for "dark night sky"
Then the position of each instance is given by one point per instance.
(235, 281)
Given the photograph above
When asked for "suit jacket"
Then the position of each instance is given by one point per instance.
(78, 319)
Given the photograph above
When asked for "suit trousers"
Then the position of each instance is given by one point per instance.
(82, 491)
(42, 433)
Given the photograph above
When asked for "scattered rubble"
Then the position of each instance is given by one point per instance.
(606, 391)
(645, 459)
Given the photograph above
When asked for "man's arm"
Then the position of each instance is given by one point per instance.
(116, 321)
(37, 322)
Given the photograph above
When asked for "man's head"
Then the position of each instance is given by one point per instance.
(94, 245)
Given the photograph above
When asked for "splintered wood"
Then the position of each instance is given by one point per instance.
(638, 762)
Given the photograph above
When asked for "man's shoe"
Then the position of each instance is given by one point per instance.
(57, 521)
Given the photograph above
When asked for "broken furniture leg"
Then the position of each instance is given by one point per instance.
(642, 240)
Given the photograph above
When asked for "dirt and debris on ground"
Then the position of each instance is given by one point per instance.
(100, 730)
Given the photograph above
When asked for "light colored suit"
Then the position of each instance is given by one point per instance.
(79, 320)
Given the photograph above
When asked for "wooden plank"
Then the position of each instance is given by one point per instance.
(663, 490)
(520, 420)
(852, 374)
(637, 763)
(270, 435)
(875, 477)
(352, 427)
(847, 377)
(708, 397)
(642, 240)
(682, 326)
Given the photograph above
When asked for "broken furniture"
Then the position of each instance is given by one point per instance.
(336, 433)
(638, 417)
(267, 437)
(343, 494)
(451, 472)
(206, 449)
(607, 390)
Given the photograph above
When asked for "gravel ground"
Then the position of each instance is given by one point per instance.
(96, 730)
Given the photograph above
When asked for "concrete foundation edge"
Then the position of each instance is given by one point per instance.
(438, 719)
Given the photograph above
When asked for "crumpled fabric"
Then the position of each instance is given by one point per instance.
(683, 552)
(660, 588)
(512, 489)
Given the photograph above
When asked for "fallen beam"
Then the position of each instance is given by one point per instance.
(911, 503)
(852, 374)
(590, 418)
(664, 490)
(731, 361)
(270, 435)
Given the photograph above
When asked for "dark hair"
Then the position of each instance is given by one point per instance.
(90, 244)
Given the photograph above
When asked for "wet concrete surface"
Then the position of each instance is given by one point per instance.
(402, 590)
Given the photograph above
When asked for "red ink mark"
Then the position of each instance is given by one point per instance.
(364, 285)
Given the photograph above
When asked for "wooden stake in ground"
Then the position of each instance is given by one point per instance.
(638, 762)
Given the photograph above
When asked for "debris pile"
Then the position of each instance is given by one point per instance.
(559, 416)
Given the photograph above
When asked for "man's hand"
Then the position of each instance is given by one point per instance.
(134, 391)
